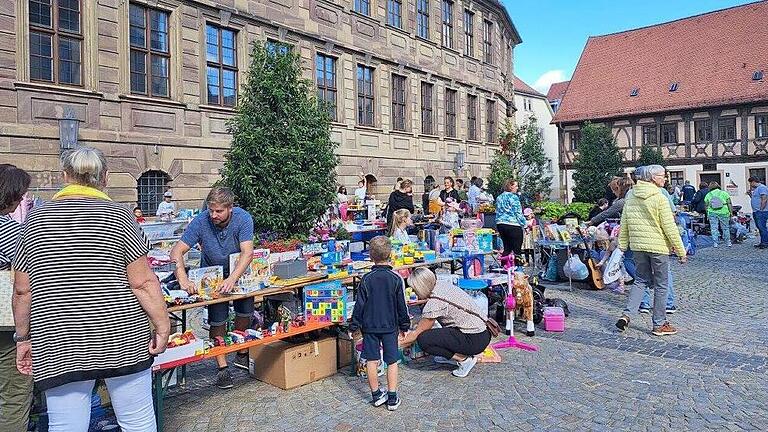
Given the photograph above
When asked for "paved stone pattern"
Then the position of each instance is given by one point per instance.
(712, 375)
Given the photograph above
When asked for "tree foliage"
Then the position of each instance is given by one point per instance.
(650, 155)
(522, 157)
(598, 161)
(282, 164)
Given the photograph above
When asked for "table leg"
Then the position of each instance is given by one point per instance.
(183, 380)
(157, 383)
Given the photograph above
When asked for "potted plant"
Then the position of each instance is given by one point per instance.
(488, 214)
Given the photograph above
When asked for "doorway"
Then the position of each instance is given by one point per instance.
(711, 177)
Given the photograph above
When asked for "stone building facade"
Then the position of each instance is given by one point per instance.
(703, 105)
(152, 83)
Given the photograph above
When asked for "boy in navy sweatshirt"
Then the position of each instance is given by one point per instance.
(380, 313)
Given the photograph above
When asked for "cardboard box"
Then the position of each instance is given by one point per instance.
(345, 351)
(288, 365)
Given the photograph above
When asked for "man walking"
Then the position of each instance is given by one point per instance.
(221, 230)
(648, 228)
(759, 199)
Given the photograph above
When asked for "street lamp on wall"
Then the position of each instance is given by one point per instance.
(458, 162)
(68, 129)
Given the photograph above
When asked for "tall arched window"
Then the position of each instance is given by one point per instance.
(151, 186)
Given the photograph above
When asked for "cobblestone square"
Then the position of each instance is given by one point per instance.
(710, 376)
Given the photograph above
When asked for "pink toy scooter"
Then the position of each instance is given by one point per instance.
(510, 305)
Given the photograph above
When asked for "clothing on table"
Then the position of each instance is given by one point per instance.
(512, 238)
(756, 199)
(509, 210)
(380, 303)
(717, 222)
(10, 231)
(69, 405)
(721, 195)
(100, 239)
(697, 203)
(761, 221)
(647, 223)
(444, 195)
(688, 192)
(15, 388)
(612, 212)
(218, 243)
(360, 193)
(401, 235)
(397, 201)
(165, 208)
(446, 342)
(472, 196)
(451, 316)
(653, 272)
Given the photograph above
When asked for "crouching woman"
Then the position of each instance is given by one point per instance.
(463, 333)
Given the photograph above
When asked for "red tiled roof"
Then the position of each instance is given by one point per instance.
(557, 91)
(712, 57)
(522, 87)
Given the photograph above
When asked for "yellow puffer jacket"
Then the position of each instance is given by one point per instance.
(647, 223)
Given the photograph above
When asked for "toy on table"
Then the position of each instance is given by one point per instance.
(179, 339)
(218, 341)
(410, 295)
(326, 302)
(286, 317)
(258, 272)
(252, 334)
(207, 280)
(236, 337)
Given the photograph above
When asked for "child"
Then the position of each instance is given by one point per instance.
(450, 219)
(380, 313)
(529, 235)
(400, 222)
(139, 215)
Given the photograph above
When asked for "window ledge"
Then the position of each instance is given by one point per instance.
(454, 139)
(401, 132)
(469, 141)
(369, 128)
(451, 50)
(58, 89)
(152, 100)
(398, 30)
(427, 41)
(430, 136)
(218, 108)
(364, 16)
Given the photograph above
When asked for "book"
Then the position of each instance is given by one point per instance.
(207, 280)
(257, 274)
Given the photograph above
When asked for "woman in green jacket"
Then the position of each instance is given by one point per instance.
(719, 211)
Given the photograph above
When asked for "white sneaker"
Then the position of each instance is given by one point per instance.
(715, 245)
(465, 367)
(443, 360)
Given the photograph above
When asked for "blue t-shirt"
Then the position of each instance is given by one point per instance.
(688, 192)
(217, 244)
(761, 189)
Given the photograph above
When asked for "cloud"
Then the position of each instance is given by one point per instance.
(547, 79)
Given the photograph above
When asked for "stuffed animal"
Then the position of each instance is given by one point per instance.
(523, 293)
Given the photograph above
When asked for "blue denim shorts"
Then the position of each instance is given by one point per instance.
(374, 343)
(218, 313)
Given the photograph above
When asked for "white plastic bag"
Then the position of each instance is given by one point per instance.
(575, 269)
(614, 267)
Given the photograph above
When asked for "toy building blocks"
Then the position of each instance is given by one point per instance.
(326, 302)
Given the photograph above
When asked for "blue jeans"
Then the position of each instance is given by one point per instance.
(629, 264)
(725, 223)
(761, 220)
(218, 313)
(671, 302)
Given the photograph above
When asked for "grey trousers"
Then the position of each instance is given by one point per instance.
(653, 271)
(15, 388)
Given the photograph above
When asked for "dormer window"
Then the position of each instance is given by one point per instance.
(757, 76)
(673, 87)
(634, 92)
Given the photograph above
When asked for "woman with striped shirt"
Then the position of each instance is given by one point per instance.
(83, 293)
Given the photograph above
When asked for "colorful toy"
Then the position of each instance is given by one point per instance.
(285, 318)
(218, 341)
(252, 334)
(236, 338)
(513, 343)
(554, 319)
(523, 295)
(179, 339)
(326, 301)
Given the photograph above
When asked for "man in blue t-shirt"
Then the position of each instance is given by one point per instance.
(759, 200)
(221, 230)
(688, 192)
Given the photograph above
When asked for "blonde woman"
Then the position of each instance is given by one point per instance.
(463, 334)
(401, 219)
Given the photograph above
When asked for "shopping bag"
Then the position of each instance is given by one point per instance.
(614, 267)
(575, 269)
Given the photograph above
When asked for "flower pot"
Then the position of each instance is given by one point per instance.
(489, 220)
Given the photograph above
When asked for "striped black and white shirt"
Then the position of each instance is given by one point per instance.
(10, 230)
(85, 322)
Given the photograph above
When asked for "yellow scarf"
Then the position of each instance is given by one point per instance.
(81, 191)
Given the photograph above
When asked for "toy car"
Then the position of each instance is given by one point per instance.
(218, 341)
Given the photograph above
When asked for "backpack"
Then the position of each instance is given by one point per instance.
(716, 203)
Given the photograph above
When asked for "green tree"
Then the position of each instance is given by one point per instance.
(521, 157)
(650, 155)
(282, 164)
(597, 162)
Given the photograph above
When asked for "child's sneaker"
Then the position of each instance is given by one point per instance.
(393, 402)
(379, 397)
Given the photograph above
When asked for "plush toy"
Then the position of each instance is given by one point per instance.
(523, 294)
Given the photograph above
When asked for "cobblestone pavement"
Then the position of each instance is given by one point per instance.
(712, 375)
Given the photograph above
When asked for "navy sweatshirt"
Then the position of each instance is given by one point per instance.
(380, 303)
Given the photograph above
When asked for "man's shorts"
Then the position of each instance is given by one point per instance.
(374, 343)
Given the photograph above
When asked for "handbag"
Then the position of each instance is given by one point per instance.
(493, 327)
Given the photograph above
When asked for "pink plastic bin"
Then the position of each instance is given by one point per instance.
(554, 319)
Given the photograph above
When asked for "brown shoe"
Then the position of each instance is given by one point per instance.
(665, 330)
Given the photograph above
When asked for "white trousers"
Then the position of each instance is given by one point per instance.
(69, 405)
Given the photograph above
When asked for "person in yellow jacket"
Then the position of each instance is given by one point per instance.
(648, 228)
